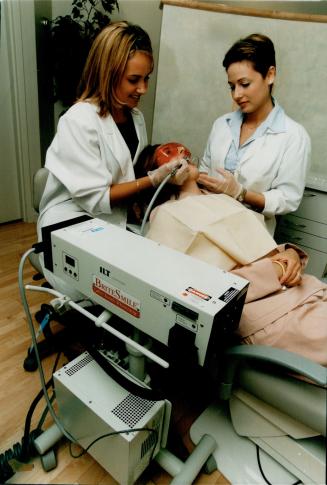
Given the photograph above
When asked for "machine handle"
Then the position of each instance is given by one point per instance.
(100, 321)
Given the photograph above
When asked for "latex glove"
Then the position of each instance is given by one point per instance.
(182, 173)
(225, 184)
(159, 174)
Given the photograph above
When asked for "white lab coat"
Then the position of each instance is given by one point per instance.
(87, 155)
(274, 164)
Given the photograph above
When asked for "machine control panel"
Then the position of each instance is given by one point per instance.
(70, 266)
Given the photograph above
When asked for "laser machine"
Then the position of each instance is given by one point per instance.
(175, 300)
(186, 305)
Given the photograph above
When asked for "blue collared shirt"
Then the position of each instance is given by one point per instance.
(275, 122)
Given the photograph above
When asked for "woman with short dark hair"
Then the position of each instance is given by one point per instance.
(256, 154)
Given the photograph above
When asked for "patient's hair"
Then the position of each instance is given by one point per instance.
(146, 162)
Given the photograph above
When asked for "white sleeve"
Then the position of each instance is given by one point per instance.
(287, 188)
(75, 159)
(218, 143)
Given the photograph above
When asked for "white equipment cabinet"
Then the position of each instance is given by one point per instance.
(95, 409)
(307, 227)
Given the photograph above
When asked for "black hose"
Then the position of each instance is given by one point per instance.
(24, 450)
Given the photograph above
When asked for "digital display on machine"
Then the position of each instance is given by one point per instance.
(70, 260)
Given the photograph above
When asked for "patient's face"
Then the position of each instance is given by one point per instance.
(176, 151)
(193, 173)
(171, 151)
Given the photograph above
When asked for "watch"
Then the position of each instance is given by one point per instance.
(242, 195)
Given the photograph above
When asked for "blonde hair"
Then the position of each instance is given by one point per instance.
(106, 64)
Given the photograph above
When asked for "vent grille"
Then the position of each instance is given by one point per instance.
(79, 365)
(149, 442)
(131, 409)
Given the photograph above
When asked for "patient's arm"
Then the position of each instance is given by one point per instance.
(291, 262)
(263, 278)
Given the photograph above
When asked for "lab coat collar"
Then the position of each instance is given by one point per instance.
(274, 123)
(110, 126)
(138, 123)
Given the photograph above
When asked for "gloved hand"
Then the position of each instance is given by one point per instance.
(157, 176)
(182, 173)
(225, 184)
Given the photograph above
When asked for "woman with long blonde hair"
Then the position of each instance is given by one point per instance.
(91, 159)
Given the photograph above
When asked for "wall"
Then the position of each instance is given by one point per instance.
(192, 87)
(147, 14)
(311, 6)
(20, 147)
(10, 206)
(43, 12)
(24, 141)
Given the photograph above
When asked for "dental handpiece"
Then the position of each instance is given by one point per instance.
(175, 170)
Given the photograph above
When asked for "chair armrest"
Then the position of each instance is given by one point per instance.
(261, 353)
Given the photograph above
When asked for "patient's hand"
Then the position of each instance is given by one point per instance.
(292, 264)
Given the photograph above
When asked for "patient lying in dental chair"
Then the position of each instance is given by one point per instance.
(284, 307)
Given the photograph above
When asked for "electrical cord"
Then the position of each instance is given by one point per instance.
(27, 442)
(298, 482)
(114, 433)
(46, 410)
(42, 326)
(25, 449)
(34, 341)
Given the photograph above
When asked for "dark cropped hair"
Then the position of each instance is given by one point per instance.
(255, 48)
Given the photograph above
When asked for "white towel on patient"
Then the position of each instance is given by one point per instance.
(214, 228)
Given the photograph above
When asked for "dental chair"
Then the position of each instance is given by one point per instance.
(46, 346)
(269, 421)
(61, 340)
(51, 343)
(39, 182)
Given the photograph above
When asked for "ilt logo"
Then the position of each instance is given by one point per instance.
(104, 271)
